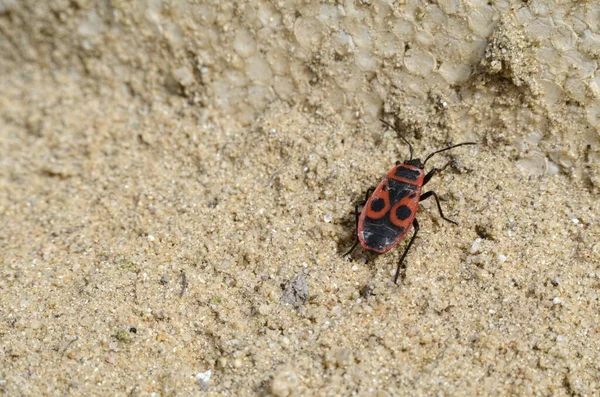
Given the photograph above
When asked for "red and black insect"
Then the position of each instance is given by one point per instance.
(389, 209)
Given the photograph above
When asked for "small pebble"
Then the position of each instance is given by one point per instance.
(501, 258)
(295, 291)
(328, 218)
(150, 238)
(475, 246)
(204, 376)
(160, 314)
(476, 259)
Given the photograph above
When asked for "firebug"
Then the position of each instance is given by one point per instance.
(389, 209)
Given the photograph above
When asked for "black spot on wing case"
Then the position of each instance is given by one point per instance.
(403, 212)
(378, 204)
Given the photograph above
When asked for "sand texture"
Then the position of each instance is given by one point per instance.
(178, 181)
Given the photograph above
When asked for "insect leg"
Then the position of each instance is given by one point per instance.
(357, 214)
(430, 193)
(369, 193)
(416, 227)
(431, 173)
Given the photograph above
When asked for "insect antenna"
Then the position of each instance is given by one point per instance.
(401, 137)
(448, 148)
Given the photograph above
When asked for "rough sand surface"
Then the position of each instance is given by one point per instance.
(117, 215)
(146, 240)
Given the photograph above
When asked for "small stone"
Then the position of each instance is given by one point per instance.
(476, 259)
(475, 246)
(184, 76)
(123, 336)
(204, 377)
(263, 310)
(295, 291)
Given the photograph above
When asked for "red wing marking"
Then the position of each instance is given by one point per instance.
(404, 211)
(379, 203)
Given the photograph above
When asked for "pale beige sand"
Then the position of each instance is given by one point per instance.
(145, 241)
(116, 215)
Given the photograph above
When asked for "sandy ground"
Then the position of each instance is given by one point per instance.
(144, 245)
(153, 246)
